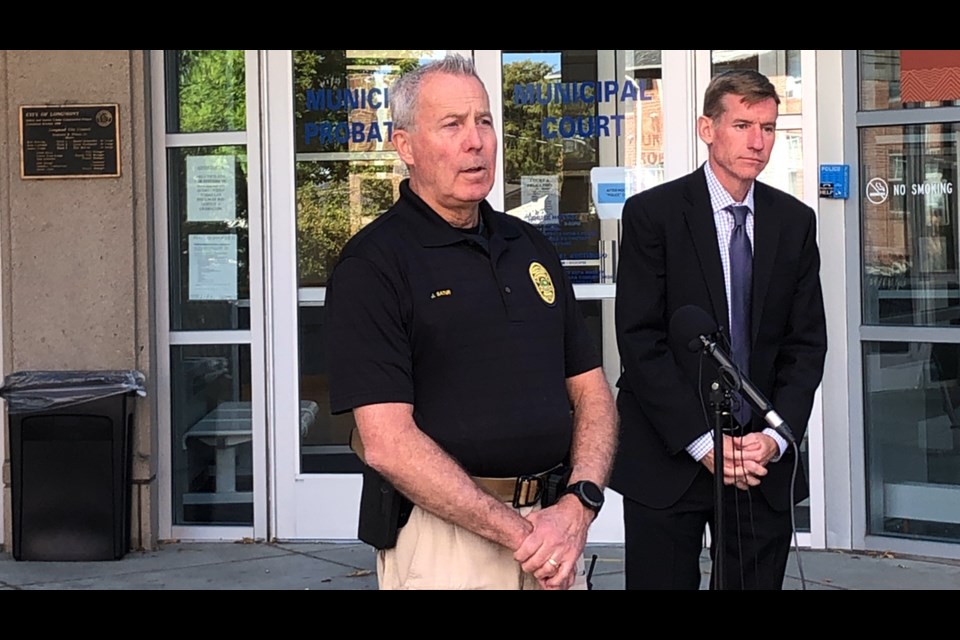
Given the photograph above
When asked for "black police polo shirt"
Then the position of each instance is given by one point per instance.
(479, 342)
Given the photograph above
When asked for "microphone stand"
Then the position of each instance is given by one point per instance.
(720, 403)
(721, 392)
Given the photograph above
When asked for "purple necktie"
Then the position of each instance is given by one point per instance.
(741, 287)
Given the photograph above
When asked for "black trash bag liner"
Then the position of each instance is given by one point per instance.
(32, 391)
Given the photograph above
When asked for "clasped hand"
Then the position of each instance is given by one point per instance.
(553, 548)
(745, 459)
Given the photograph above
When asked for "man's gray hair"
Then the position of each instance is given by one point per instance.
(405, 92)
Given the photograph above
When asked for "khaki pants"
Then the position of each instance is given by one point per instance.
(434, 554)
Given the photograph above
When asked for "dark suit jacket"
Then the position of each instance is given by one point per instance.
(670, 258)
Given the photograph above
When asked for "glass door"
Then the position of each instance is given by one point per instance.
(207, 181)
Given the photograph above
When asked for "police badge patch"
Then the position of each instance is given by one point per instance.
(543, 283)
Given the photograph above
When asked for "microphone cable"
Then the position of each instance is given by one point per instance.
(793, 513)
(735, 428)
(753, 528)
(793, 491)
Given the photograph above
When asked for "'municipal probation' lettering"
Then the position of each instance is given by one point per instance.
(339, 99)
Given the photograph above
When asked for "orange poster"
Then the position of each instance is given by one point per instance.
(929, 75)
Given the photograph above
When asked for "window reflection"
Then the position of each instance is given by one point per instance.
(782, 67)
(347, 170)
(910, 224)
(567, 114)
(802, 512)
(324, 437)
(335, 199)
(905, 79)
(785, 169)
(206, 90)
(592, 311)
(642, 147)
(533, 146)
(347, 174)
(913, 439)
(212, 435)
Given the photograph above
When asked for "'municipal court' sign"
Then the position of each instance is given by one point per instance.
(586, 93)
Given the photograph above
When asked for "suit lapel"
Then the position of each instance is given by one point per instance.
(766, 238)
(699, 217)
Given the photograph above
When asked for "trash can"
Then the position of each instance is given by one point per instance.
(70, 459)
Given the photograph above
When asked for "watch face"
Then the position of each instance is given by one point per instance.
(592, 493)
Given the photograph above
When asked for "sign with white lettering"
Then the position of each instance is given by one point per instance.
(834, 181)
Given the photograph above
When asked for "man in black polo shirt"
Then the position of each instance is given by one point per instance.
(455, 339)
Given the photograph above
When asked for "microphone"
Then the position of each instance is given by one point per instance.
(693, 327)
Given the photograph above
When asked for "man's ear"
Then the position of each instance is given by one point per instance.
(401, 142)
(705, 129)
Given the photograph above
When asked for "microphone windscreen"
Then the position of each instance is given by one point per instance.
(688, 323)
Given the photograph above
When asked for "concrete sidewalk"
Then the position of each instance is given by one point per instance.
(345, 566)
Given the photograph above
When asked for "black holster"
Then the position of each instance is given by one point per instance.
(383, 511)
(554, 484)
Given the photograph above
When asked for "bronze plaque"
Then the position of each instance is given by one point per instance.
(70, 141)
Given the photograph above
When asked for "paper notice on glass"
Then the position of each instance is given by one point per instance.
(211, 188)
(539, 199)
(213, 267)
(610, 187)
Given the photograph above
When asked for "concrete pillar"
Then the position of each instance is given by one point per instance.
(75, 254)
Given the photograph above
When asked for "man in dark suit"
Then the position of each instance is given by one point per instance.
(747, 254)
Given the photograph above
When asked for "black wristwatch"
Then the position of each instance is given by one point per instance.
(588, 493)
